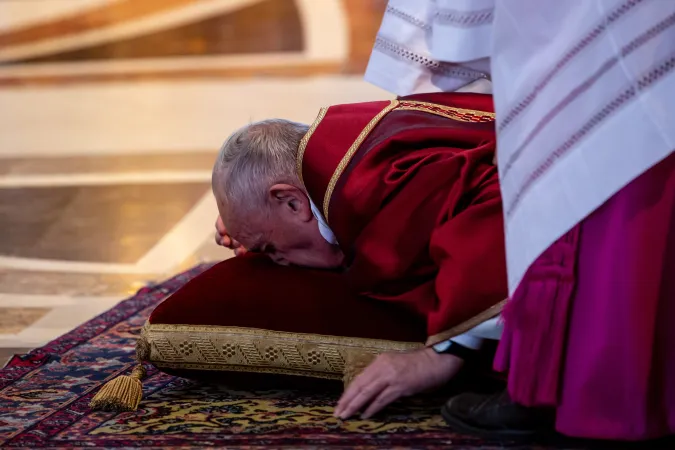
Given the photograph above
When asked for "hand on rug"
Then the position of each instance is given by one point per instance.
(393, 376)
(223, 238)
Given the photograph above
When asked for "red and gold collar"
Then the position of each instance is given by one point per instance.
(338, 132)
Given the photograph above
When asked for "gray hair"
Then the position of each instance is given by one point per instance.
(254, 158)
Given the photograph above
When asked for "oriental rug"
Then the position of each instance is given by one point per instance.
(44, 398)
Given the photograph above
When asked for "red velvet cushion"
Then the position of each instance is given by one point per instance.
(252, 291)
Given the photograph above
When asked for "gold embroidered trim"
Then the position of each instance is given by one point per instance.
(305, 140)
(459, 114)
(252, 369)
(342, 165)
(462, 328)
(250, 349)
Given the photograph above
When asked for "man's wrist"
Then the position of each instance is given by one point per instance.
(443, 358)
(439, 369)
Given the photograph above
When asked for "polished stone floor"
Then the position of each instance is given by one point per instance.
(111, 113)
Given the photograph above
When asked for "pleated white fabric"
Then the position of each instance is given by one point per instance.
(584, 96)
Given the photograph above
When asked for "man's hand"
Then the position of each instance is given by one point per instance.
(395, 375)
(224, 239)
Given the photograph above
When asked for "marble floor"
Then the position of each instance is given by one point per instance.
(111, 114)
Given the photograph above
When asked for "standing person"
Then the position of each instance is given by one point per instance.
(585, 104)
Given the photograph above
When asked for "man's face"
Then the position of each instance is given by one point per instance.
(286, 242)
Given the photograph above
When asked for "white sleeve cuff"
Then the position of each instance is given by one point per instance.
(468, 341)
(473, 339)
(490, 329)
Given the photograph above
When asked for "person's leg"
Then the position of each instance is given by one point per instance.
(610, 369)
(531, 349)
(619, 375)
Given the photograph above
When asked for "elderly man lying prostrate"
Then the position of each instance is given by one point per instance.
(402, 197)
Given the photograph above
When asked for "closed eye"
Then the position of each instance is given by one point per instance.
(258, 248)
(269, 249)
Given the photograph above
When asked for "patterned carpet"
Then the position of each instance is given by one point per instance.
(44, 399)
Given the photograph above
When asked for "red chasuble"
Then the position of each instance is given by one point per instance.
(410, 191)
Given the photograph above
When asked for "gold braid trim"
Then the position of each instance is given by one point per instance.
(342, 165)
(210, 347)
(305, 140)
(248, 369)
(459, 114)
(463, 327)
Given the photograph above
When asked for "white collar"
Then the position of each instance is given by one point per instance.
(325, 231)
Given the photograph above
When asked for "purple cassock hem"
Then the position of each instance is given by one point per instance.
(591, 328)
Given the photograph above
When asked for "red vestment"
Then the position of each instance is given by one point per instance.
(410, 191)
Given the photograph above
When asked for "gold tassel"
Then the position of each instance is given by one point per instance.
(123, 393)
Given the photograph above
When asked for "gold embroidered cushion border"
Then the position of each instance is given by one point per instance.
(248, 314)
(253, 350)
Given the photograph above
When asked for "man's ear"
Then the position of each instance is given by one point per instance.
(291, 201)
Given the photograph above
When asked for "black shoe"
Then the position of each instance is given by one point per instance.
(497, 417)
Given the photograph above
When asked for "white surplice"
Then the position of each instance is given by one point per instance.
(584, 93)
